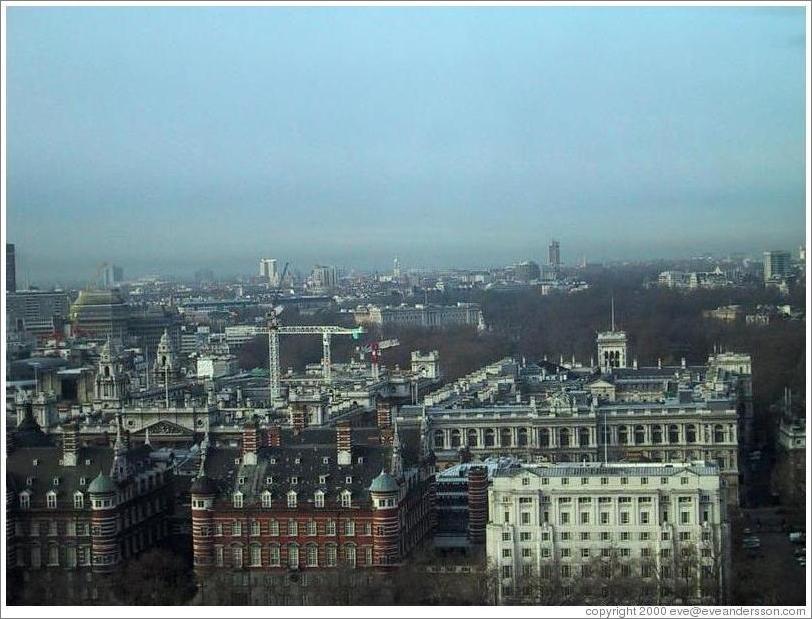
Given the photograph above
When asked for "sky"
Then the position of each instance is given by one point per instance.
(170, 139)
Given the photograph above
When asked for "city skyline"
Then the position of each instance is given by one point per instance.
(445, 137)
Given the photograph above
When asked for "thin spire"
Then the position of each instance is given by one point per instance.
(146, 437)
(613, 312)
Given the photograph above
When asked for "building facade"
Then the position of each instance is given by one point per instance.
(570, 532)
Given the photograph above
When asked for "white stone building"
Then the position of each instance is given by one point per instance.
(573, 532)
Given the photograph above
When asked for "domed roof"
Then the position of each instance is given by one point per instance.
(101, 484)
(384, 483)
(203, 485)
(98, 297)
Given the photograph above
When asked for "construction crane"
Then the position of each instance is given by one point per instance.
(274, 384)
(374, 349)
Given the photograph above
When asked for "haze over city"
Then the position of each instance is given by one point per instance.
(446, 137)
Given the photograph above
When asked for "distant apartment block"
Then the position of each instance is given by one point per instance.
(36, 311)
(693, 280)
(777, 265)
(11, 268)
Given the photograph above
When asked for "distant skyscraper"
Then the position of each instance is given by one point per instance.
(11, 269)
(396, 268)
(554, 254)
(268, 270)
(802, 253)
(324, 277)
(776, 264)
(110, 276)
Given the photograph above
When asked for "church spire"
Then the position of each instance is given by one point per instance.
(397, 459)
(613, 312)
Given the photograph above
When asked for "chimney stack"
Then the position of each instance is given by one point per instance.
(250, 443)
(384, 411)
(274, 436)
(297, 419)
(344, 443)
(477, 503)
(70, 444)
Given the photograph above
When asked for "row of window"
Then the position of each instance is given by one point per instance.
(585, 481)
(625, 436)
(72, 556)
(604, 536)
(291, 528)
(624, 570)
(291, 553)
(237, 499)
(586, 553)
(605, 518)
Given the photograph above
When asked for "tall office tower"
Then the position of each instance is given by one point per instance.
(554, 254)
(396, 268)
(802, 253)
(11, 269)
(324, 277)
(268, 270)
(776, 264)
(110, 276)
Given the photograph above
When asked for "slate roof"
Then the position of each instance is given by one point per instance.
(306, 458)
(92, 460)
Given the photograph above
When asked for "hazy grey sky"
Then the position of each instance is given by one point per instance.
(167, 139)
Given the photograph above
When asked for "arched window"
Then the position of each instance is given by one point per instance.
(583, 437)
(544, 437)
(718, 433)
(53, 554)
(439, 439)
(236, 556)
(318, 499)
(293, 556)
(521, 439)
(331, 555)
(255, 527)
(78, 500)
(266, 499)
(564, 437)
(349, 555)
(273, 555)
(51, 499)
(490, 437)
(639, 435)
(673, 433)
(690, 433)
(256, 555)
(237, 499)
(292, 498)
(505, 437)
(657, 434)
(473, 439)
(455, 438)
(623, 435)
(312, 555)
(346, 499)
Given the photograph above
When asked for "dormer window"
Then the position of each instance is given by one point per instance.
(273, 460)
(266, 499)
(29, 481)
(360, 459)
(241, 480)
(318, 499)
(88, 462)
(83, 481)
(78, 500)
(298, 461)
(294, 481)
(348, 479)
(322, 479)
(236, 499)
(346, 499)
(325, 460)
(268, 480)
(56, 481)
(292, 499)
(50, 499)
(25, 500)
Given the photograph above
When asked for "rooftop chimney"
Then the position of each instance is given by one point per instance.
(297, 419)
(477, 503)
(384, 415)
(344, 443)
(250, 443)
(70, 444)
(274, 436)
